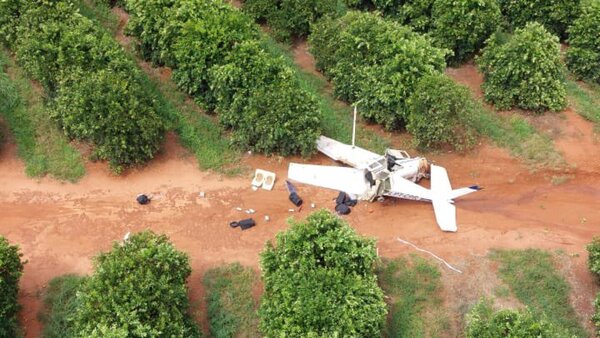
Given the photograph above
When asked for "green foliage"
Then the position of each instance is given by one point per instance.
(293, 17)
(9, 14)
(91, 105)
(231, 308)
(60, 304)
(374, 62)
(583, 55)
(441, 114)
(555, 15)
(11, 269)
(483, 322)
(137, 290)
(594, 256)
(319, 282)
(413, 288)
(525, 71)
(464, 25)
(84, 70)
(533, 278)
(210, 44)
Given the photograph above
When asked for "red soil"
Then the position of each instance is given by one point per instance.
(61, 226)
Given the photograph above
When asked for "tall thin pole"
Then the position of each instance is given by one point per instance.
(354, 127)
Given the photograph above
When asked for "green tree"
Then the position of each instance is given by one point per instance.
(319, 282)
(138, 289)
(375, 62)
(11, 269)
(524, 70)
(463, 25)
(441, 113)
(555, 15)
(583, 55)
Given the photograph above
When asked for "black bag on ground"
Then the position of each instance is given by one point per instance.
(143, 199)
(294, 198)
(243, 224)
(342, 209)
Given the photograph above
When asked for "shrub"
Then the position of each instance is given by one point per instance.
(583, 55)
(525, 71)
(97, 91)
(137, 290)
(260, 98)
(464, 25)
(319, 282)
(555, 15)
(440, 114)
(375, 62)
(292, 17)
(594, 255)
(414, 13)
(9, 14)
(483, 322)
(111, 109)
(203, 40)
(60, 305)
(11, 269)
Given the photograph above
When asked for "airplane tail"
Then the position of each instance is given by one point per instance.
(443, 198)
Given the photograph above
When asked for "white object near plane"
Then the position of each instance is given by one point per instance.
(373, 176)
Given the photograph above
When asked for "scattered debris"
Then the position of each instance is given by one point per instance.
(294, 198)
(431, 253)
(250, 211)
(267, 218)
(312, 205)
(239, 209)
(126, 237)
(243, 224)
(202, 194)
(343, 203)
(291, 210)
(143, 199)
(263, 178)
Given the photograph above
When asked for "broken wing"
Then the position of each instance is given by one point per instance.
(349, 180)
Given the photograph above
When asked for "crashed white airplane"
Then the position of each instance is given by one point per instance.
(375, 177)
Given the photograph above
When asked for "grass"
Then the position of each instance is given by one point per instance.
(518, 136)
(231, 307)
(41, 145)
(586, 99)
(59, 305)
(533, 278)
(415, 306)
(197, 131)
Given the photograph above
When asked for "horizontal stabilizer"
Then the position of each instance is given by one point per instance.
(456, 193)
(445, 214)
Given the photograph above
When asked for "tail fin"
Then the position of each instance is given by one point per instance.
(442, 198)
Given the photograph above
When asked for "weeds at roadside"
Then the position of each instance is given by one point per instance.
(41, 144)
(231, 308)
(520, 137)
(59, 304)
(415, 306)
(586, 99)
(534, 279)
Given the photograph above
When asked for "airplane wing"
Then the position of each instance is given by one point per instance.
(353, 156)
(349, 180)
